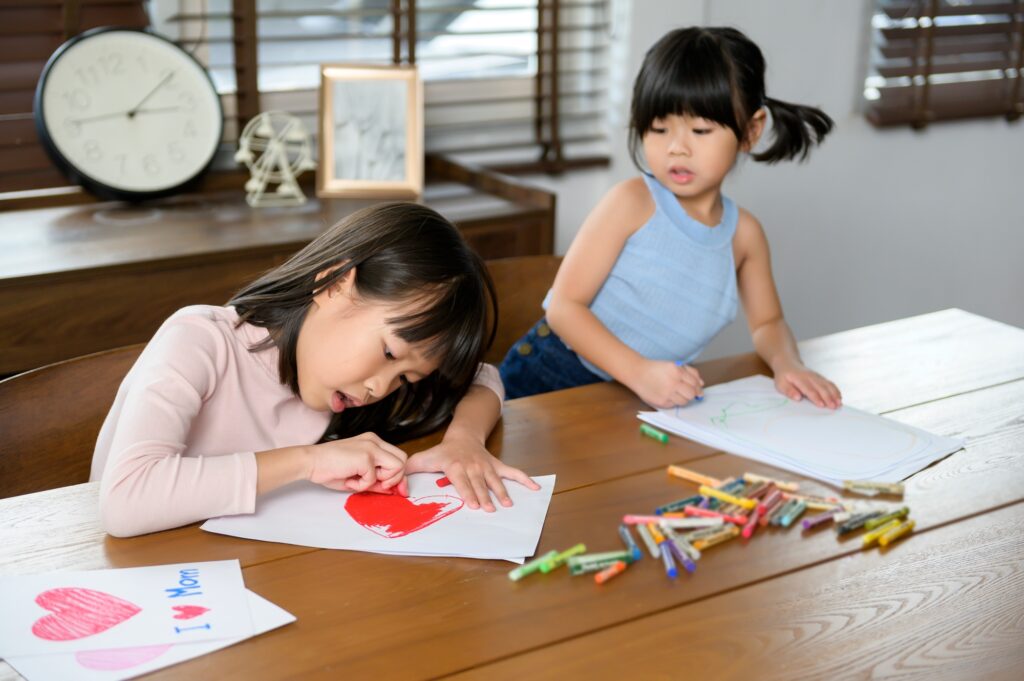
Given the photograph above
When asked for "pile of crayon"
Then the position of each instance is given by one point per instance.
(676, 533)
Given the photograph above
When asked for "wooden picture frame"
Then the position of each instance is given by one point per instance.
(371, 132)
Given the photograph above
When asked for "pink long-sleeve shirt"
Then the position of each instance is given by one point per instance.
(179, 442)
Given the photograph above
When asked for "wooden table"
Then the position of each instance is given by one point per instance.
(947, 603)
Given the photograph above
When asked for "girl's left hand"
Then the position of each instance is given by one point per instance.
(796, 381)
(471, 468)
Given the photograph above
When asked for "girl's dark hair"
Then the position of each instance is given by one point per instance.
(717, 74)
(402, 252)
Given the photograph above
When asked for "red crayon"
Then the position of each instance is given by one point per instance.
(443, 482)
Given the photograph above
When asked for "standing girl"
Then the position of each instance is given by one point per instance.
(372, 333)
(658, 267)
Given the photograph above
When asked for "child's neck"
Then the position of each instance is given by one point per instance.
(705, 208)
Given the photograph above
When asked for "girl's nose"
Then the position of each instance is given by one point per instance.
(679, 146)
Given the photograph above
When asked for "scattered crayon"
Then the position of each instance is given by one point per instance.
(627, 539)
(693, 476)
(899, 513)
(727, 498)
(616, 568)
(443, 482)
(871, 537)
(654, 433)
(817, 520)
(870, 488)
(895, 533)
(781, 484)
(530, 567)
(558, 560)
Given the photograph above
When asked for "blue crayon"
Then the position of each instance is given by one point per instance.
(680, 556)
(627, 539)
(670, 564)
(678, 505)
(681, 363)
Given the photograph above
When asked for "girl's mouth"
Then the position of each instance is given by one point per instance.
(680, 175)
(341, 401)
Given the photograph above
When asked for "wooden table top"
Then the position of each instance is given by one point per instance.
(946, 603)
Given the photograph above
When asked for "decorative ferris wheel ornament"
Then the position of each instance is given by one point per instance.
(276, 149)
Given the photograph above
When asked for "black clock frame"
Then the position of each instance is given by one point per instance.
(91, 184)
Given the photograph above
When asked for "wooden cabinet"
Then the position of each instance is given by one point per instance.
(78, 279)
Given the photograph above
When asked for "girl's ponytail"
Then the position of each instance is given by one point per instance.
(795, 128)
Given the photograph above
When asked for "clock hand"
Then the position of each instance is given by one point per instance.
(89, 119)
(135, 110)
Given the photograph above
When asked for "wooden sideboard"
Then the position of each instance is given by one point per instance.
(83, 278)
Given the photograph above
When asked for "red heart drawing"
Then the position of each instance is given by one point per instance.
(114, 659)
(79, 612)
(187, 612)
(391, 515)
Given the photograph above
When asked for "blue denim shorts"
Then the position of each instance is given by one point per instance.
(540, 362)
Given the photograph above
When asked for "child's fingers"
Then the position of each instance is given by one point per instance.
(497, 487)
(483, 494)
(387, 447)
(510, 473)
(460, 480)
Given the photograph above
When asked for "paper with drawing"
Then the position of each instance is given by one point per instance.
(750, 418)
(432, 521)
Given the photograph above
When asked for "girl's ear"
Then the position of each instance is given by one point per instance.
(341, 287)
(755, 128)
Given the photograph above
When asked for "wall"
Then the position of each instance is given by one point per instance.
(879, 224)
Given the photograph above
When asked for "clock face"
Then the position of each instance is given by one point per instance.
(129, 113)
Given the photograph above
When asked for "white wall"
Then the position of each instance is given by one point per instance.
(879, 224)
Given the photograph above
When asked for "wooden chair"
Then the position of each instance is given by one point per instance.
(50, 418)
(520, 284)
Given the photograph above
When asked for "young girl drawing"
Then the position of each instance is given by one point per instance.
(658, 267)
(372, 333)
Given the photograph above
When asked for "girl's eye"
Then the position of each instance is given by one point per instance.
(702, 131)
(387, 354)
(657, 131)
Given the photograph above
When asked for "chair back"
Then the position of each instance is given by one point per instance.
(50, 418)
(521, 284)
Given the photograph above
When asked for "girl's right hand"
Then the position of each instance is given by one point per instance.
(359, 464)
(666, 384)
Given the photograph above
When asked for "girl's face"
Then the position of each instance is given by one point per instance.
(691, 156)
(348, 355)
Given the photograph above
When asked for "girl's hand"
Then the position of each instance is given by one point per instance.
(472, 469)
(796, 381)
(364, 463)
(666, 384)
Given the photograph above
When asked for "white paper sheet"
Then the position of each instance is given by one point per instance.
(64, 612)
(431, 522)
(126, 663)
(750, 418)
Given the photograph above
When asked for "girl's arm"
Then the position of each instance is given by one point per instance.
(462, 454)
(590, 259)
(772, 337)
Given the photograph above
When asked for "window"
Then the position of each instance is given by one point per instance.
(493, 69)
(945, 59)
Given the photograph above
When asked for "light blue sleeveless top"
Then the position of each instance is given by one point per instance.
(673, 287)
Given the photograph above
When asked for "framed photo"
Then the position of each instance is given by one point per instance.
(371, 132)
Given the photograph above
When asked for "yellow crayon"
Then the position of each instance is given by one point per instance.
(898, 514)
(655, 533)
(727, 533)
(693, 476)
(727, 498)
(895, 533)
(868, 487)
(871, 537)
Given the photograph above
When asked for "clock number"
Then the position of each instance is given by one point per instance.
(190, 129)
(88, 76)
(120, 166)
(111, 64)
(92, 150)
(77, 99)
(175, 151)
(150, 164)
(187, 101)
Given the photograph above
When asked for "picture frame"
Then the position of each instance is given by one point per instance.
(371, 132)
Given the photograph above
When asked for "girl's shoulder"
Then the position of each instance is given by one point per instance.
(625, 208)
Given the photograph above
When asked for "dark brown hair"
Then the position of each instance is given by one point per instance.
(402, 252)
(717, 73)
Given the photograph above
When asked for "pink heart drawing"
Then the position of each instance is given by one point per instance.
(187, 612)
(392, 515)
(79, 612)
(113, 659)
